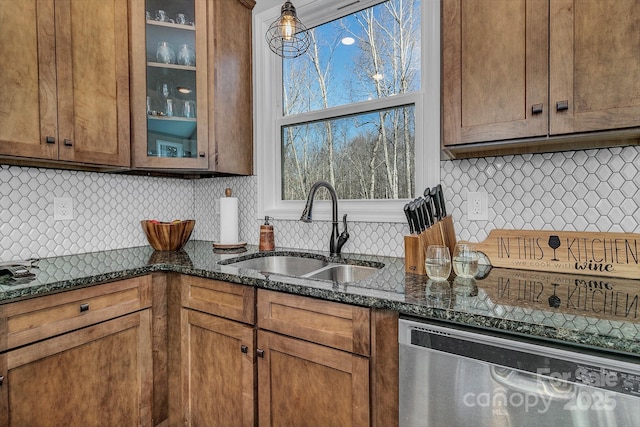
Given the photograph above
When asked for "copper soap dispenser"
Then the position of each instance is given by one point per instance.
(267, 242)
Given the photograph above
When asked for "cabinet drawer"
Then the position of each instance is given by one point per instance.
(42, 317)
(224, 299)
(333, 324)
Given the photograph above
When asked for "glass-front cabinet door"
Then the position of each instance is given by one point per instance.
(169, 57)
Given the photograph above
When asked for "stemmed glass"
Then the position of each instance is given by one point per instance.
(166, 93)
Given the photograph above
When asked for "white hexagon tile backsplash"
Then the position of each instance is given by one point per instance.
(107, 210)
(592, 190)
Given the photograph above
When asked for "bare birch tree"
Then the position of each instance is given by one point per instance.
(370, 154)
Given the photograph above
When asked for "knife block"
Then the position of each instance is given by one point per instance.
(415, 248)
(448, 233)
(413, 255)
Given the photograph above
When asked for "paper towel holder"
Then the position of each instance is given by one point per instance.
(229, 246)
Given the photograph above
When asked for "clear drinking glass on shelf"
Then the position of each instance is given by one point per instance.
(186, 55)
(438, 262)
(189, 109)
(162, 16)
(465, 260)
(181, 19)
(169, 108)
(165, 53)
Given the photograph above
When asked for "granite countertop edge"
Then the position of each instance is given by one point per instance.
(329, 293)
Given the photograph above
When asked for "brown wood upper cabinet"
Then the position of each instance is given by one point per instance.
(538, 68)
(65, 81)
(192, 115)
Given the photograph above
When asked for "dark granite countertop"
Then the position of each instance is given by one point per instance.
(581, 310)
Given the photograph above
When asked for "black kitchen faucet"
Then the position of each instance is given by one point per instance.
(337, 242)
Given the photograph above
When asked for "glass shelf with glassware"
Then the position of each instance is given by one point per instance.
(171, 79)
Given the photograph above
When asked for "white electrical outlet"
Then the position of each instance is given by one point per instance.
(62, 208)
(477, 206)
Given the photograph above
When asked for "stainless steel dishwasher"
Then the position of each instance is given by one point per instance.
(457, 377)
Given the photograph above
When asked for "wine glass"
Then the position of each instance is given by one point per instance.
(165, 90)
(465, 260)
(438, 262)
(554, 243)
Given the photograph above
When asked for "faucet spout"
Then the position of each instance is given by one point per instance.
(337, 241)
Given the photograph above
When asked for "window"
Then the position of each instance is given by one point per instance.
(360, 109)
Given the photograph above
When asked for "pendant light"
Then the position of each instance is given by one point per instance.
(287, 36)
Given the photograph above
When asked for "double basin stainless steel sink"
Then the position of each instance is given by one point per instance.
(310, 268)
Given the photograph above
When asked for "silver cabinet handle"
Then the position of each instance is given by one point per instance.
(562, 105)
(84, 307)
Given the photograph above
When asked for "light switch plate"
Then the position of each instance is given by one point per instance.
(477, 206)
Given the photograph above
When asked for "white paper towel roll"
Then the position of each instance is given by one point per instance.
(228, 220)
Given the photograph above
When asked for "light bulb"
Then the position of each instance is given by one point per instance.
(287, 26)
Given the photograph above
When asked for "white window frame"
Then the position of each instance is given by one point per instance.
(268, 118)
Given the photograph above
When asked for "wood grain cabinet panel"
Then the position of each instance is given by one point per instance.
(218, 371)
(494, 69)
(537, 71)
(28, 110)
(65, 80)
(342, 326)
(230, 87)
(96, 376)
(594, 65)
(224, 299)
(35, 319)
(307, 384)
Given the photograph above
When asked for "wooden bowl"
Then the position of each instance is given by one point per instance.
(168, 236)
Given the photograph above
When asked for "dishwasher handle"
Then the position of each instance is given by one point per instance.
(528, 383)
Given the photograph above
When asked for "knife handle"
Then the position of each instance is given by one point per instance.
(443, 209)
(436, 204)
(429, 205)
(414, 217)
(406, 213)
(428, 222)
(422, 220)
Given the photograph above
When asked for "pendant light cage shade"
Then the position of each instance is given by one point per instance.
(287, 36)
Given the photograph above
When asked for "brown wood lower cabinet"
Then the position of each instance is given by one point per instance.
(96, 376)
(175, 350)
(218, 366)
(289, 361)
(306, 384)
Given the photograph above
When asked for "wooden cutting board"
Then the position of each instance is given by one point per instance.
(589, 253)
